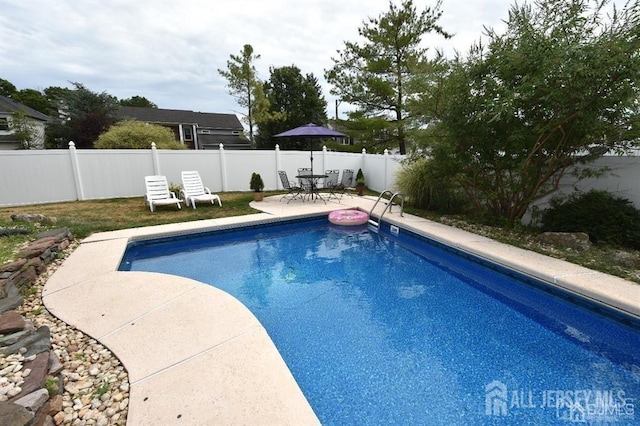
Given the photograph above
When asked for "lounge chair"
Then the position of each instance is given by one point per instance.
(158, 193)
(193, 190)
(294, 191)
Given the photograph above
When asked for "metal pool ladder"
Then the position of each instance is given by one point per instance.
(389, 204)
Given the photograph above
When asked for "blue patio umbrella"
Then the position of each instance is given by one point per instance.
(311, 131)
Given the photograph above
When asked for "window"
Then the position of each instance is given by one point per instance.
(188, 134)
(4, 124)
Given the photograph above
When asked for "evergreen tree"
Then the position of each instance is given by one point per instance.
(375, 75)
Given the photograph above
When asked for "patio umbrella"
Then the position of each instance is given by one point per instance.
(310, 131)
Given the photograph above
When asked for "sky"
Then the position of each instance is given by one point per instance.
(170, 51)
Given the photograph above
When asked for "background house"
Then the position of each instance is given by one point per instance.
(197, 130)
(35, 120)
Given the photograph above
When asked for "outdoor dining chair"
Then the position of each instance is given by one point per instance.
(331, 183)
(305, 183)
(294, 191)
(346, 183)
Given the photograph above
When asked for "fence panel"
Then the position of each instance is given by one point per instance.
(240, 165)
(206, 162)
(113, 173)
(33, 177)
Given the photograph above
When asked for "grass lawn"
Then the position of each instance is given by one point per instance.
(86, 217)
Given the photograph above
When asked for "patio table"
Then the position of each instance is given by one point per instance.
(312, 190)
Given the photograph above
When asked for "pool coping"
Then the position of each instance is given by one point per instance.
(196, 355)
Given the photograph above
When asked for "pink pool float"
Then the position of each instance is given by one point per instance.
(348, 217)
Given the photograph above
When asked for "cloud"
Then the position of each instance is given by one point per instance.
(170, 52)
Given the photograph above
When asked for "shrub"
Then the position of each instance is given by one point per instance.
(417, 181)
(606, 218)
(132, 134)
(256, 183)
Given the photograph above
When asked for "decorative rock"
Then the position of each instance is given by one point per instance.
(39, 368)
(59, 418)
(14, 391)
(14, 266)
(572, 240)
(13, 231)
(34, 400)
(14, 414)
(58, 234)
(55, 405)
(35, 343)
(11, 322)
(10, 302)
(55, 366)
(34, 218)
(25, 278)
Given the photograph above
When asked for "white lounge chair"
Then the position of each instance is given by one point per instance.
(193, 190)
(158, 193)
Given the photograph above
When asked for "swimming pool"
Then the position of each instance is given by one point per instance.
(378, 328)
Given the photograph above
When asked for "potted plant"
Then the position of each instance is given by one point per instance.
(257, 186)
(360, 183)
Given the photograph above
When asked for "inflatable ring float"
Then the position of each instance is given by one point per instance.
(348, 217)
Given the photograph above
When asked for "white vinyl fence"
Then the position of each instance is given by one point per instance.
(44, 176)
(34, 176)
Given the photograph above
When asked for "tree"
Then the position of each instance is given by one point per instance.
(131, 134)
(23, 130)
(242, 83)
(294, 100)
(374, 75)
(34, 99)
(558, 89)
(83, 116)
(7, 88)
(138, 101)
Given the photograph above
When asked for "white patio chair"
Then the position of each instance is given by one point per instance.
(158, 194)
(193, 190)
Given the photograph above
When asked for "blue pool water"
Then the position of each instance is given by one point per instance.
(385, 329)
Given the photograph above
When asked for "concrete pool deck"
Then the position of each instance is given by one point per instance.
(197, 356)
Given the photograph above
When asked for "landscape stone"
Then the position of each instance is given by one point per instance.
(573, 240)
(34, 400)
(35, 343)
(11, 322)
(13, 266)
(10, 339)
(10, 302)
(37, 248)
(34, 381)
(55, 366)
(34, 218)
(38, 264)
(57, 234)
(14, 414)
(26, 277)
(13, 231)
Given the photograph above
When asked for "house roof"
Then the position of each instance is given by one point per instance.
(176, 116)
(8, 105)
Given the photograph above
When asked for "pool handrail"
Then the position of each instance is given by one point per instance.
(388, 206)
